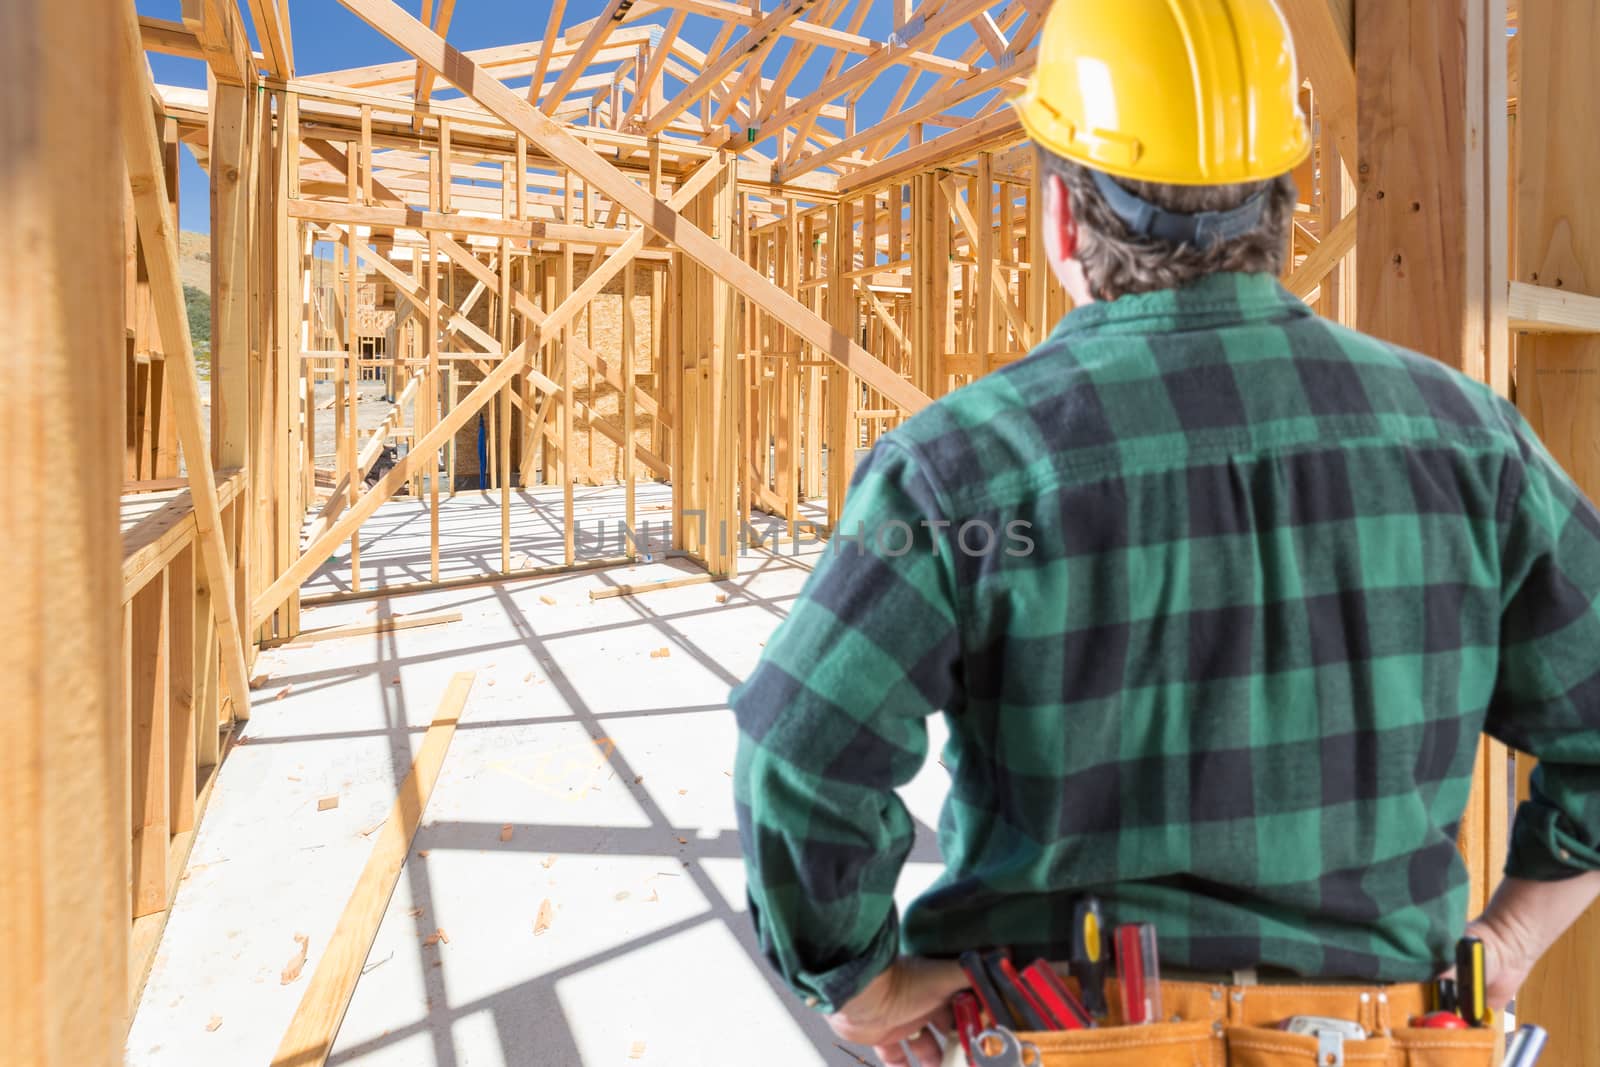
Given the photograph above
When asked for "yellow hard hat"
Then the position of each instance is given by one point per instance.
(1187, 92)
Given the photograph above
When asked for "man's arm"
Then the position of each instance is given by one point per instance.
(832, 721)
(1547, 704)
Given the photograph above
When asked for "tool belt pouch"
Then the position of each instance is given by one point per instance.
(1186, 1044)
(1250, 1046)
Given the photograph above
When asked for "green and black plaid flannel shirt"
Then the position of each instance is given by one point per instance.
(1216, 596)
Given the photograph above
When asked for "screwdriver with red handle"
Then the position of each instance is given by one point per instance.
(1138, 973)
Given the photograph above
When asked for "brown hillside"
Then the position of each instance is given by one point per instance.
(194, 259)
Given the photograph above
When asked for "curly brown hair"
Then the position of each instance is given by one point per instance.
(1117, 262)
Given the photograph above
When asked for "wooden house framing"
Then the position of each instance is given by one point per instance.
(787, 280)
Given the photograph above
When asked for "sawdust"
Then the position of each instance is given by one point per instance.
(297, 962)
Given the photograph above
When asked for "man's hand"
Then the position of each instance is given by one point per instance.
(901, 1004)
(1522, 921)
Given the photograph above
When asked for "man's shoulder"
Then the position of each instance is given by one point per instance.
(1459, 406)
(1000, 422)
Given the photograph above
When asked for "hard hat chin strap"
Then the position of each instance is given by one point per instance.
(1201, 229)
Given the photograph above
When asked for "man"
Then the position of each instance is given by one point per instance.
(1278, 577)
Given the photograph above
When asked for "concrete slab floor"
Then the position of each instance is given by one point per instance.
(611, 769)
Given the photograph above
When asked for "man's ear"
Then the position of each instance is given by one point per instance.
(1061, 220)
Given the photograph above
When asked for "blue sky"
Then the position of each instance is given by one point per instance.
(328, 37)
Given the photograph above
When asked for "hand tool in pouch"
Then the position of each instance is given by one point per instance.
(978, 977)
(1471, 982)
(1138, 973)
(1012, 1051)
(1088, 960)
(1058, 1000)
(968, 1014)
(1024, 1008)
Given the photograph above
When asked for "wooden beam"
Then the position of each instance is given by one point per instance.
(755, 38)
(405, 31)
(63, 753)
(991, 131)
(636, 588)
(158, 232)
(949, 18)
(377, 626)
(1558, 386)
(336, 500)
(316, 1021)
(169, 38)
(1432, 271)
(1323, 49)
(274, 48)
(600, 30)
(1315, 267)
(149, 702)
(650, 81)
(1541, 309)
(552, 30)
(933, 105)
(217, 26)
(423, 87)
(405, 218)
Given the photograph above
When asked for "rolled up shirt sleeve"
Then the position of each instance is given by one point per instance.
(832, 720)
(1547, 697)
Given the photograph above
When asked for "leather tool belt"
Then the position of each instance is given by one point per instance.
(1218, 1024)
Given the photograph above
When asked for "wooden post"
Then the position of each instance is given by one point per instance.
(351, 399)
(149, 704)
(1432, 194)
(1558, 388)
(182, 712)
(63, 783)
(157, 229)
(982, 205)
(626, 402)
(429, 414)
(842, 385)
(564, 287)
(504, 440)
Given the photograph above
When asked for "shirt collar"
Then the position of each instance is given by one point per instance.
(1213, 302)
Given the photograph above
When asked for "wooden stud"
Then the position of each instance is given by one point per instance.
(158, 232)
(316, 1021)
(149, 707)
(1428, 139)
(1558, 387)
(352, 397)
(63, 752)
(182, 712)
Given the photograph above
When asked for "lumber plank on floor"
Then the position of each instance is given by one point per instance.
(377, 626)
(636, 588)
(316, 1021)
